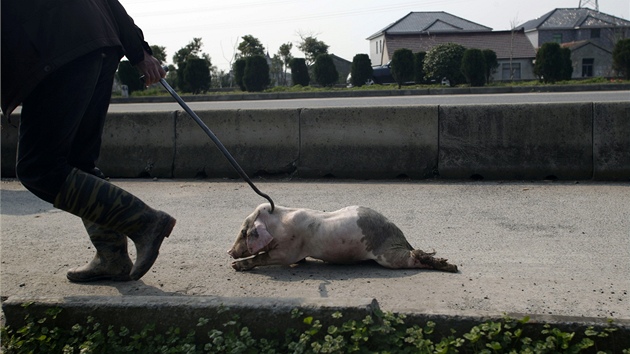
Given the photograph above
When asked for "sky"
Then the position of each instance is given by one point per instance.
(344, 25)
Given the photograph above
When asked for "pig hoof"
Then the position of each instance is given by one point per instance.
(240, 266)
(433, 262)
(446, 267)
(237, 266)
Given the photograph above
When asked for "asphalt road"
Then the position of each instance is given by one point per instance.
(512, 98)
(553, 248)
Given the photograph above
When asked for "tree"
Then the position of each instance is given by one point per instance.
(285, 55)
(444, 61)
(402, 66)
(312, 48)
(548, 66)
(239, 72)
(490, 58)
(361, 70)
(325, 71)
(256, 75)
(418, 67)
(197, 75)
(130, 76)
(159, 53)
(191, 51)
(299, 72)
(474, 67)
(250, 46)
(621, 58)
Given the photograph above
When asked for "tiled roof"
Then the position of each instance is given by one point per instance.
(498, 41)
(579, 44)
(572, 18)
(422, 22)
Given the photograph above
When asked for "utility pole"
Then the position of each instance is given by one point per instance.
(593, 3)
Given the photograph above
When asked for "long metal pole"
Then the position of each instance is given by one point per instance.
(216, 141)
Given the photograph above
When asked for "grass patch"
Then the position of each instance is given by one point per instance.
(159, 91)
(379, 333)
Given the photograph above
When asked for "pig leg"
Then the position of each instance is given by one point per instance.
(405, 259)
(434, 262)
(250, 263)
(266, 258)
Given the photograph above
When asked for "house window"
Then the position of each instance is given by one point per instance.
(595, 33)
(587, 67)
(557, 37)
(511, 74)
(377, 46)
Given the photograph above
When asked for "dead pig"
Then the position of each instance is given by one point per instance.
(348, 235)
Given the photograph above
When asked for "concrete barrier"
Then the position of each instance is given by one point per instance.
(261, 141)
(522, 141)
(611, 141)
(368, 143)
(138, 145)
(567, 141)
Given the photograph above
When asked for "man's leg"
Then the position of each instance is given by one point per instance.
(51, 119)
(86, 145)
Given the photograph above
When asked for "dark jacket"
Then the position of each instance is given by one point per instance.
(39, 36)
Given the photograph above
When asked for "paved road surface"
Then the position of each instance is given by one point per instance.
(546, 97)
(537, 248)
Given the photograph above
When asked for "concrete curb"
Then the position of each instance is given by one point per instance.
(264, 316)
(135, 312)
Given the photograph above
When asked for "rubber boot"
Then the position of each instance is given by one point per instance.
(111, 261)
(113, 208)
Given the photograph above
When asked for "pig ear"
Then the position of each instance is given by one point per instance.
(255, 244)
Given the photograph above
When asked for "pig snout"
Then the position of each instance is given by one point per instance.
(235, 253)
(239, 250)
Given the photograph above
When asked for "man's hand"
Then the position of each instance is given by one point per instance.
(151, 69)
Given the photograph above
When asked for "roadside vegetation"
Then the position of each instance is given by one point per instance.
(159, 91)
(378, 333)
(448, 64)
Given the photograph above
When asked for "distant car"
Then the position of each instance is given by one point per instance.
(381, 74)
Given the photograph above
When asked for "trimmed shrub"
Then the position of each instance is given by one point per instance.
(256, 75)
(325, 71)
(361, 70)
(197, 75)
(474, 67)
(444, 61)
(621, 58)
(490, 57)
(402, 66)
(418, 67)
(239, 71)
(299, 72)
(566, 66)
(549, 62)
